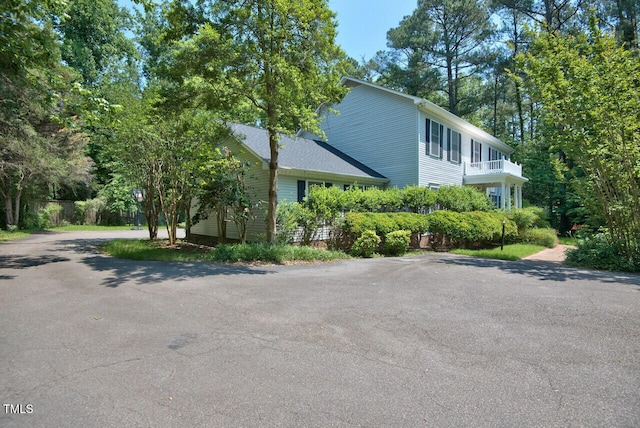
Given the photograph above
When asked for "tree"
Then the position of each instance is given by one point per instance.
(94, 40)
(449, 35)
(279, 56)
(40, 146)
(224, 191)
(589, 90)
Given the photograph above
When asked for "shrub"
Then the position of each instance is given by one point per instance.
(527, 218)
(539, 236)
(416, 223)
(600, 251)
(463, 199)
(366, 244)
(453, 229)
(396, 243)
(418, 199)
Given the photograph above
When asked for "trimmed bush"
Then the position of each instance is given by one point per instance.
(396, 243)
(452, 229)
(538, 236)
(463, 199)
(366, 244)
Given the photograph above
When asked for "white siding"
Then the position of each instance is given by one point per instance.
(433, 170)
(378, 129)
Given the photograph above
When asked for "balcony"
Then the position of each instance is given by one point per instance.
(501, 166)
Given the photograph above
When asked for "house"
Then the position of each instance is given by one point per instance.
(302, 162)
(412, 141)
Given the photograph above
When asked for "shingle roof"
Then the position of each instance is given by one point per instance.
(303, 153)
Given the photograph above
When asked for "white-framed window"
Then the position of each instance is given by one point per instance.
(454, 144)
(476, 151)
(495, 154)
(305, 185)
(434, 134)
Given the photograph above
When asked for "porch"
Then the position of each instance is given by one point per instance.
(502, 175)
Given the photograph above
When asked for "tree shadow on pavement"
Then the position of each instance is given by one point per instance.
(547, 271)
(17, 261)
(147, 272)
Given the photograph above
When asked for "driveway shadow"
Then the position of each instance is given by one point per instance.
(547, 271)
(122, 271)
(146, 272)
(17, 261)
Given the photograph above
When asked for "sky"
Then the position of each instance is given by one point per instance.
(363, 24)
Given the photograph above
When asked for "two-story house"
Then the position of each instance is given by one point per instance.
(412, 141)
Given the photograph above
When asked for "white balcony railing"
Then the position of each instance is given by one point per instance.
(501, 166)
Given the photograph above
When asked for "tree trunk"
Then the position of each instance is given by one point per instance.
(273, 186)
(8, 209)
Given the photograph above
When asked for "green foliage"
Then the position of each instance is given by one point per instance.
(539, 236)
(278, 58)
(462, 199)
(43, 219)
(272, 253)
(589, 89)
(416, 223)
(396, 242)
(418, 199)
(293, 217)
(600, 251)
(226, 253)
(529, 217)
(453, 229)
(366, 244)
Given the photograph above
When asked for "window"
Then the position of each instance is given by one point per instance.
(495, 154)
(454, 142)
(304, 185)
(476, 151)
(434, 138)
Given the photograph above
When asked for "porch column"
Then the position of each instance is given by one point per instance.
(503, 195)
(519, 193)
(509, 196)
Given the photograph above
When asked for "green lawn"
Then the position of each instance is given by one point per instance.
(8, 236)
(510, 252)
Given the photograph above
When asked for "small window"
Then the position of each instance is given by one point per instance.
(495, 154)
(476, 151)
(434, 134)
(454, 142)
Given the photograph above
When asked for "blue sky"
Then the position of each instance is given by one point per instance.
(363, 24)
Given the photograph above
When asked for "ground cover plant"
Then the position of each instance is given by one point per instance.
(182, 251)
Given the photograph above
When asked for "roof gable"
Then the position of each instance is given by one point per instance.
(302, 153)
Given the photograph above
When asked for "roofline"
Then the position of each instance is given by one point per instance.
(433, 109)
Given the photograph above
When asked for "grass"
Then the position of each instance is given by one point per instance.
(8, 236)
(565, 240)
(511, 252)
(229, 253)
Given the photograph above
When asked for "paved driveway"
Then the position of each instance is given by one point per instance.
(435, 340)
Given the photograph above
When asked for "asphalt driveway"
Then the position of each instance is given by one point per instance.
(434, 340)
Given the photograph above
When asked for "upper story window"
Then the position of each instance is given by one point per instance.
(434, 139)
(476, 151)
(454, 144)
(495, 154)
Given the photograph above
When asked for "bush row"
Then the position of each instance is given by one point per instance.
(447, 229)
(329, 202)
